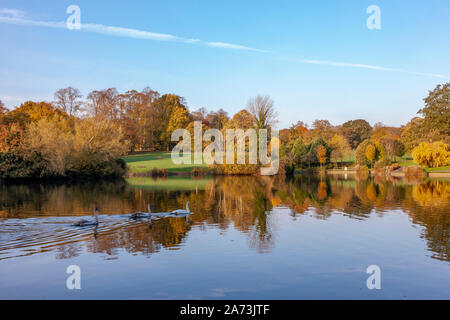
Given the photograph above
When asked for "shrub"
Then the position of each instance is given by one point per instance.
(414, 171)
(360, 168)
(88, 147)
(436, 154)
(383, 163)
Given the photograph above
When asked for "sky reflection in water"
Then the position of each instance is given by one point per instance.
(249, 238)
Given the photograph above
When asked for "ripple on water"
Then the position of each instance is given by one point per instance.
(21, 237)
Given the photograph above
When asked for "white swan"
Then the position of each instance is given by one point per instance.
(87, 223)
(139, 215)
(181, 211)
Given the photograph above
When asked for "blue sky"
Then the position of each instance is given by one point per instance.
(317, 59)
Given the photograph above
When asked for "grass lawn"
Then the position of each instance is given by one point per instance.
(406, 163)
(145, 162)
(447, 168)
(409, 163)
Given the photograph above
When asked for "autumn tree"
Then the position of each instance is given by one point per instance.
(413, 134)
(199, 115)
(217, 119)
(436, 113)
(33, 112)
(137, 117)
(370, 153)
(88, 147)
(241, 120)
(360, 152)
(356, 131)
(311, 157)
(340, 147)
(103, 103)
(321, 154)
(323, 129)
(11, 137)
(69, 100)
(393, 147)
(179, 119)
(435, 124)
(164, 107)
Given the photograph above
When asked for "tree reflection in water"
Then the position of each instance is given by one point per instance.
(244, 203)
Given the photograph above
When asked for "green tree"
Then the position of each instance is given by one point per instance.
(298, 150)
(436, 113)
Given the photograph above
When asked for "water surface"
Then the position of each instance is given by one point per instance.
(248, 238)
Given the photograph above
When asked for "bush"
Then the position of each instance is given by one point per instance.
(360, 168)
(436, 154)
(88, 147)
(14, 166)
(414, 171)
(383, 163)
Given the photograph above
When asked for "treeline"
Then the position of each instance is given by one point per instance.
(426, 137)
(146, 117)
(74, 135)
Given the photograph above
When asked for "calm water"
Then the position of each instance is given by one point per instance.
(249, 238)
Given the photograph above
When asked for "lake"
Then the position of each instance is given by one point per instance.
(308, 237)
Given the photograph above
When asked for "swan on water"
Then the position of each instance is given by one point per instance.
(181, 211)
(86, 223)
(139, 215)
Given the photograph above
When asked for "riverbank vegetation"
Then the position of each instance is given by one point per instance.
(72, 136)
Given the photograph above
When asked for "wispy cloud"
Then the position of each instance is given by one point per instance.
(13, 16)
(232, 46)
(14, 13)
(366, 66)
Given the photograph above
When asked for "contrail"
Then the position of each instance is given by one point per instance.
(13, 16)
(365, 66)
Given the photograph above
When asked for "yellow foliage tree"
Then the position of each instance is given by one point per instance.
(370, 153)
(432, 155)
(81, 147)
(321, 154)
